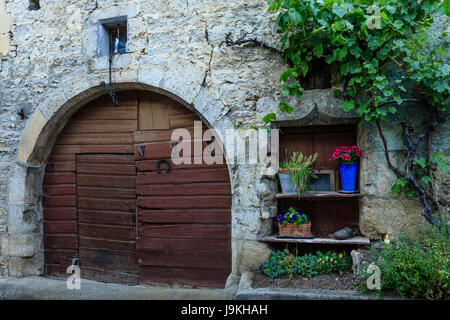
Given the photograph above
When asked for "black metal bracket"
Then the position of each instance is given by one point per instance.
(109, 88)
(158, 165)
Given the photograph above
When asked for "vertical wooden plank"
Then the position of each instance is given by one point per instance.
(160, 109)
(145, 114)
(153, 112)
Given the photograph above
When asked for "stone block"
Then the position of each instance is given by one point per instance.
(4, 43)
(184, 78)
(18, 246)
(30, 136)
(151, 76)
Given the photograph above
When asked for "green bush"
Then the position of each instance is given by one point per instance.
(417, 267)
(284, 263)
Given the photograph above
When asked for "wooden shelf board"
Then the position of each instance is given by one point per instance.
(351, 241)
(319, 195)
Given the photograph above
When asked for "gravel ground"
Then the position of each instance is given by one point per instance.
(346, 281)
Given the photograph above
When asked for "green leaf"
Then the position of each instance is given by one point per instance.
(269, 117)
(410, 192)
(318, 50)
(348, 105)
(402, 182)
(441, 163)
(295, 16)
(286, 107)
(421, 162)
(426, 179)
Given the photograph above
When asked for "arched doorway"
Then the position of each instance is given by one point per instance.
(106, 204)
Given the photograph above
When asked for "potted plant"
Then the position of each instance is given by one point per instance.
(294, 223)
(348, 157)
(295, 172)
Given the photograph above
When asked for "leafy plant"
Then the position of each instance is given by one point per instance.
(417, 267)
(299, 167)
(360, 40)
(293, 215)
(284, 263)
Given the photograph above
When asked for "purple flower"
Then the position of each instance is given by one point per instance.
(281, 218)
(294, 216)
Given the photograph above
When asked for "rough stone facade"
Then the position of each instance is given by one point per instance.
(49, 68)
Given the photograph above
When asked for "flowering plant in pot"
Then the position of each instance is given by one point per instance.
(348, 158)
(292, 222)
(296, 172)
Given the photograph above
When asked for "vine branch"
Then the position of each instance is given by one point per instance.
(242, 41)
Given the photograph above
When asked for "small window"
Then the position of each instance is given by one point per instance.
(112, 32)
(324, 181)
(33, 5)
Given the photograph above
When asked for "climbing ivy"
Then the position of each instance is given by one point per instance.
(360, 40)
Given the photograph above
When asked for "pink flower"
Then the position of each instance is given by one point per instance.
(346, 157)
(355, 148)
(336, 155)
(359, 153)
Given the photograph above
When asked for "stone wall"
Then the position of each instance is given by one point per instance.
(50, 68)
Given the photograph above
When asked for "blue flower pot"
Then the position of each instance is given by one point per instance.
(348, 176)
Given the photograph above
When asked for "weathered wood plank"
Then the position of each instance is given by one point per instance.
(61, 241)
(60, 189)
(60, 213)
(111, 169)
(108, 259)
(183, 244)
(156, 136)
(201, 277)
(100, 126)
(183, 121)
(216, 188)
(59, 178)
(110, 276)
(182, 176)
(56, 256)
(106, 113)
(67, 226)
(60, 201)
(184, 202)
(95, 139)
(121, 233)
(128, 205)
(105, 193)
(103, 181)
(105, 217)
(182, 215)
(117, 159)
(60, 167)
(181, 231)
(160, 110)
(186, 259)
(187, 163)
(94, 243)
(78, 149)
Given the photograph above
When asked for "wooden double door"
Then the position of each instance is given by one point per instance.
(111, 202)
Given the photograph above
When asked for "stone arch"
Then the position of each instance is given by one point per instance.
(25, 187)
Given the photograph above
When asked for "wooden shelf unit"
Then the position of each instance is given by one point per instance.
(319, 195)
(329, 210)
(351, 241)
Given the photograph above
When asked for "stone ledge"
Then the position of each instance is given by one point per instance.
(246, 292)
(40, 288)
